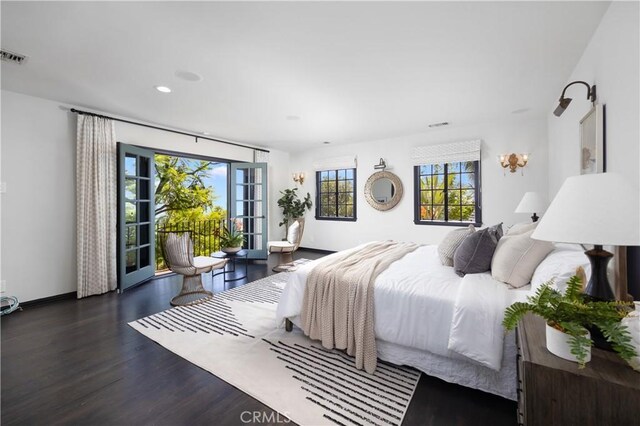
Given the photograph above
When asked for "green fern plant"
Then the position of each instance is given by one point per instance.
(571, 312)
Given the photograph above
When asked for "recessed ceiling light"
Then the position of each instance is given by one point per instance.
(444, 123)
(520, 111)
(326, 142)
(163, 89)
(293, 117)
(188, 76)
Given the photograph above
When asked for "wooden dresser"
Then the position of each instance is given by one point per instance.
(553, 391)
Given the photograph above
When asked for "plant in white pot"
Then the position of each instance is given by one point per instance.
(568, 315)
(292, 206)
(231, 236)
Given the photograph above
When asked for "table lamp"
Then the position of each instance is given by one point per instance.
(599, 209)
(532, 202)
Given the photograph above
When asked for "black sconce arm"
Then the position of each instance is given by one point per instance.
(591, 90)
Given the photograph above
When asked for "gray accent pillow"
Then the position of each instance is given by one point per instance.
(496, 231)
(451, 242)
(475, 253)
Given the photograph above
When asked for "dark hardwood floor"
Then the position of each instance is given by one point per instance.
(78, 362)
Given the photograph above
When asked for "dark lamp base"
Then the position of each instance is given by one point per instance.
(535, 218)
(598, 287)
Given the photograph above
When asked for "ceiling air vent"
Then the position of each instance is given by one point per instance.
(16, 58)
(444, 123)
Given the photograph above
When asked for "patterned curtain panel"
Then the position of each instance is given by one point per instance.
(96, 205)
(260, 156)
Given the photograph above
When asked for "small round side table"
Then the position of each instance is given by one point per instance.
(242, 256)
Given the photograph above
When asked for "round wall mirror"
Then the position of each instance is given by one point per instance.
(383, 190)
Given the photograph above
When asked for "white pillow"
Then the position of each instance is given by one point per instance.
(517, 257)
(559, 266)
(293, 232)
(451, 242)
(521, 228)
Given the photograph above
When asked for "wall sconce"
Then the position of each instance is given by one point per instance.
(513, 161)
(564, 102)
(381, 165)
(298, 177)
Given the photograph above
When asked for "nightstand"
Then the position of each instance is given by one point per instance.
(553, 391)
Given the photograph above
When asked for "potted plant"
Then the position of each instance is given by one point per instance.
(567, 318)
(231, 236)
(292, 206)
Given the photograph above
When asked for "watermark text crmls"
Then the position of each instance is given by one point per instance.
(258, 417)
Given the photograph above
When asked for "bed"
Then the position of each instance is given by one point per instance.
(429, 318)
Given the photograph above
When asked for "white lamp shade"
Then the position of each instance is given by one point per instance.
(602, 208)
(532, 202)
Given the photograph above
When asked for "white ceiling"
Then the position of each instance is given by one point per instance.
(351, 71)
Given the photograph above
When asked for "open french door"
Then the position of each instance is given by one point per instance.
(249, 203)
(136, 213)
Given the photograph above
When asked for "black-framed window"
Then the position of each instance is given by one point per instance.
(448, 194)
(336, 194)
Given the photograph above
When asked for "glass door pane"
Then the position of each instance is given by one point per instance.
(248, 197)
(135, 216)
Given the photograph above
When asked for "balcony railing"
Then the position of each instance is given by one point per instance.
(205, 234)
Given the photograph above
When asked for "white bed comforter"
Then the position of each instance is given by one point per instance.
(422, 304)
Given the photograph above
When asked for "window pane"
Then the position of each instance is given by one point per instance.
(350, 210)
(145, 259)
(453, 181)
(130, 186)
(350, 174)
(468, 213)
(144, 234)
(324, 176)
(468, 197)
(131, 262)
(332, 174)
(438, 197)
(426, 197)
(130, 239)
(454, 213)
(143, 208)
(130, 211)
(454, 167)
(438, 212)
(342, 174)
(467, 180)
(453, 197)
(437, 181)
(468, 166)
(143, 167)
(437, 168)
(143, 188)
(425, 170)
(130, 165)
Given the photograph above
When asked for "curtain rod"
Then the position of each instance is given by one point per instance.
(77, 111)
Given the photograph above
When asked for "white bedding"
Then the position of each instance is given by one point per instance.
(421, 304)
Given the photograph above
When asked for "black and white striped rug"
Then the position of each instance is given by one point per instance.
(234, 336)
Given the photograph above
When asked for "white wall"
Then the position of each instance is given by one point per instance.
(38, 209)
(610, 61)
(500, 194)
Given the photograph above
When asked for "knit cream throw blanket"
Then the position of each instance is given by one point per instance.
(338, 299)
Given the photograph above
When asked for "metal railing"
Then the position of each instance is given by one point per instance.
(205, 235)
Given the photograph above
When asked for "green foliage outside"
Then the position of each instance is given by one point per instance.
(336, 187)
(184, 202)
(571, 312)
(460, 196)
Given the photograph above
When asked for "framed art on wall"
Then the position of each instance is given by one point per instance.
(592, 141)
